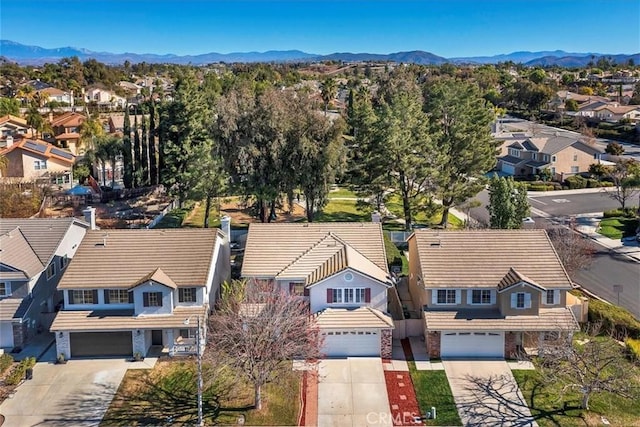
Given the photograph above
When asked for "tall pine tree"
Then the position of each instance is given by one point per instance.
(127, 157)
(153, 148)
(137, 171)
(144, 155)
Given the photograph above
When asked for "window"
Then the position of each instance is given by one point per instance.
(481, 296)
(297, 288)
(118, 296)
(188, 333)
(534, 156)
(51, 270)
(521, 300)
(5, 289)
(83, 297)
(152, 299)
(39, 165)
(64, 261)
(550, 297)
(187, 295)
(348, 295)
(446, 296)
(553, 159)
(575, 157)
(514, 152)
(575, 169)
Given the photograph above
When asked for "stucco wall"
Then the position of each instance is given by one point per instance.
(167, 299)
(504, 301)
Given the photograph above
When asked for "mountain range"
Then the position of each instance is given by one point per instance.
(36, 55)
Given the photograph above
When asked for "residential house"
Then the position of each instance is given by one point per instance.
(104, 98)
(12, 126)
(340, 269)
(32, 159)
(66, 130)
(562, 155)
(614, 113)
(488, 293)
(116, 121)
(52, 94)
(128, 290)
(34, 253)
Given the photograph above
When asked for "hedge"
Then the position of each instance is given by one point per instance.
(615, 319)
(633, 346)
(6, 360)
(576, 182)
(18, 372)
(394, 257)
(615, 213)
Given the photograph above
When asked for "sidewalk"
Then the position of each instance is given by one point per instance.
(587, 225)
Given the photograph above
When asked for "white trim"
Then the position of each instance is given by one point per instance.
(434, 297)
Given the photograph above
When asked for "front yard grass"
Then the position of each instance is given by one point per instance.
(432, 389)
(342, 210)
(549, 409)
(150, 397)
(618, 227)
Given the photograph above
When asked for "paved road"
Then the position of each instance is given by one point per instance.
(574, 204)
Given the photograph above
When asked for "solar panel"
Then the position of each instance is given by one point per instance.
(62, 153)
(35, 147)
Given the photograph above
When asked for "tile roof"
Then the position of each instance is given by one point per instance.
(159, 276)
(548, 319)
(14, 119)
(44, 149)
(482, 258)
(68, 119)
(68, 135)
(8, 308)
(121, 258)
(512, 160)
(43, 234)
(271, 248)
(513, 277)
(117, 320)
(362, 317)
(328, 257)
(16, 253)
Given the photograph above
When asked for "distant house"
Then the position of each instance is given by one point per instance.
(104, 98)
(129, 290)
(116, 121)
(53, 94)
(33, 255)
(32, 159)
(563, 156)
(66, 130)
(614, 113)
(12, 126)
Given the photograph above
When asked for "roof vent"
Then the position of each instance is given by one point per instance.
(435, 244)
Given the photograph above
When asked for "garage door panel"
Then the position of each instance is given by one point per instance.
(351, 343)
(471, 344)
(87, 344)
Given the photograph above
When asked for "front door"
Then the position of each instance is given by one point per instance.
(156, 337)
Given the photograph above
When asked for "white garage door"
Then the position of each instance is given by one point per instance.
(510, 169)
(471, 344)
(351, 343)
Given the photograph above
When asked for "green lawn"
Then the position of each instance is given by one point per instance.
(342, 210)
(342, 192)
(196, 218)
(148, 397)
(432, 389)
(174, 219)
(618, 227)
(423, 217)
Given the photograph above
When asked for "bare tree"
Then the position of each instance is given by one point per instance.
(626, 180)
(575, 251)
(258, 327)
(590, 366)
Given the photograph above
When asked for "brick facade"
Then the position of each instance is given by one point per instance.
(510, 345)
(433, 345)
(386, 346)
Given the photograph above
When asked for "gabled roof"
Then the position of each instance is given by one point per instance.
(529, 146)
(69, 119)
(16, 253)
(512, 160)
(68, 135)
(362, 317)
(271, 248)
(619, 109)
(516, 145)
(43, 234)
(13, 119)
(482, 258)
(121, 258)
(52, 91)
(328, 257)
(553, 144)
(158, 276)
(44, 149)
(513, 277)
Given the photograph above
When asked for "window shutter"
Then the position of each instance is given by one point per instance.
(106, 296)
(159, 297)
(145, 299)
(180, 295)
(469, 296)
(434, 296)
(95, 296)
(130, 297)
(458, 296)
(306, 291)
(527, 300)
(367, 294)
(514, 300)
(493, 297)
(556, 297)
(329, 296)
(70, 297)
(290, 288)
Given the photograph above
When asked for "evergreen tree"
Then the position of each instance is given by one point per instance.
(508, 203)
(144, 153)
(153, 148)
(127, 156)
(137, 154)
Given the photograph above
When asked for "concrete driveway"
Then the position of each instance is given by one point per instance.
(486, 393)
(352, 393)
(77, 393)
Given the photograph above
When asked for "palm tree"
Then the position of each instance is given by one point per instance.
(90, 129)
(328, 92)
(26, 93)
(35, 119)
(107, 149)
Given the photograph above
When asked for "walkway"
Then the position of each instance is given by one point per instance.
(587, 224)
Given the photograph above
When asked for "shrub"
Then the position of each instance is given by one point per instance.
(17, 374)
(615, 319)
(6, 360)
(633, 346)
(394, 257)
(576, 182)
(540, 187)
(629, 212)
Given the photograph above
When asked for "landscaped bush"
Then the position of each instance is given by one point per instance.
(615, 319)
(6, 360)
(394, 257)
(576, 182)
(633, 346)
(540, 187)
(18, 372)
(626, 213)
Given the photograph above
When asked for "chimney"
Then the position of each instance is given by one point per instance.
(376, 217)
(225, 225)
(90, 216)
(9, 141)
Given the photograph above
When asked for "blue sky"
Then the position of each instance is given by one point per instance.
(444, 27)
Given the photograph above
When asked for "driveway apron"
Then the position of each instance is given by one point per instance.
(486, 393)
(352, 393)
